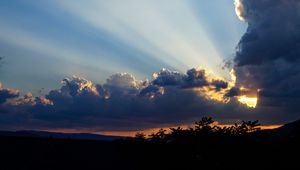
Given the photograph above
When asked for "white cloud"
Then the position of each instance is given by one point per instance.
(240, 10)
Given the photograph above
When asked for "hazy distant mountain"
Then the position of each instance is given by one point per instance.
(46, 134)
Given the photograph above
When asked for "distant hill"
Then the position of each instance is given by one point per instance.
(264, 149)
(288, 131)
(46, 134)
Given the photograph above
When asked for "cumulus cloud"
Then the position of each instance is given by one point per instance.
(193, 78)
(152, 91)
(168, 78)
(219, 84)
(123, 83)
(6, 93)
(273, 32)
(196, 78)
(267, 58)
(240, 9)
(122, 103)
(77, 86)
(29, 100)
(266, 64)
(232, 92)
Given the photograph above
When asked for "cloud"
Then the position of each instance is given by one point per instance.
(196, 78)
(6, 93)
(193, 78)
(240, 9)
(267, 58)
(28, 100)
(273, 32)
(122, 103)
(152, 91)
(168, 78)
(266, 64)
(219, 84)
(123, 84)
(232, 92)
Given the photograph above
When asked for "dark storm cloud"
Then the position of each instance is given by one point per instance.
(273, 32)
(267, 57)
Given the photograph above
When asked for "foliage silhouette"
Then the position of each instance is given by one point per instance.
(207, 145)
(159, 136)
(141, 137)
(205, 129)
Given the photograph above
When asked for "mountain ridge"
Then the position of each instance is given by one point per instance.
(49, 134)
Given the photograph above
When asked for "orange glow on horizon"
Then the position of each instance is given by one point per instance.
(147, 131)
(264, 127)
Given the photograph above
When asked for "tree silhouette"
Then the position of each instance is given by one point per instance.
(246, 127)
(180, 135)
(159, 136)
(205, 122)
(205, 130)
(251, 126)
(140, 137)
(205, 125)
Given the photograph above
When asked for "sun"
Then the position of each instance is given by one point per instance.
(249, 101)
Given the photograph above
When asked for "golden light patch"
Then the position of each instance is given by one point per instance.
(249, 101)
(184, 126)
(211, 94)
(239, 9)
(233, 78)
(265, 127)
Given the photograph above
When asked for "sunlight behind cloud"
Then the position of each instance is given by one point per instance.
(249, 101)
(239, 9)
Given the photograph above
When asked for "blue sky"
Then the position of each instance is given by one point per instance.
(113, 46)
(44, 41)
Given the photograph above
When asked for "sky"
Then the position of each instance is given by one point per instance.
(45, 41)
(126, 66)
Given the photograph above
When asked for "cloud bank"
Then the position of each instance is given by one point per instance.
(6, 93)
(267, 58)
(266, 65)
(122, 103)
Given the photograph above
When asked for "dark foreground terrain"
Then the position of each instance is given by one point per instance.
(183, 149)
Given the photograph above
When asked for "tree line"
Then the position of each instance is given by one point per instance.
(204, 129)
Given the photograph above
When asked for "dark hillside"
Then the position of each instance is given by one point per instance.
(260, 149)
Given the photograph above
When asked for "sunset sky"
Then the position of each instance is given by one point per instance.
(120, 66)
(44, 41)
